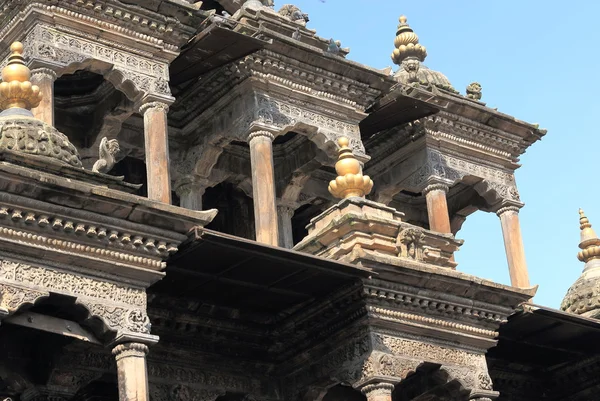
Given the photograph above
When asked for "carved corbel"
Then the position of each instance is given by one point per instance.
(118, 318)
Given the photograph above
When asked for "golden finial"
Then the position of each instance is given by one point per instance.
(589, 240)
(407, 44)
(16, 90)
(350, 181)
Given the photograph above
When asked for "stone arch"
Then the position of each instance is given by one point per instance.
(135, 75)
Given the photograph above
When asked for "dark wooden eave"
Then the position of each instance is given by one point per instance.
(540, 337)
(233, 272)
(212, 48)
(398, 107)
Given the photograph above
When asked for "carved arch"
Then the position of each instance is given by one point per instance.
(134, 75)
(14, 298)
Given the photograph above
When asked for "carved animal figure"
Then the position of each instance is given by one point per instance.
(108, 151)
(474, 91)
(293, 13)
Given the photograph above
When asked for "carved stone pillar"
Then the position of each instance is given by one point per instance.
(437, 207)
(378, 391)
(513, 244)
(263, 187)
(190, 194)
(44, 78)
(156, 136)
(131, 371)
(286, 233)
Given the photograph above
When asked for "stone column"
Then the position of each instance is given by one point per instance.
(156, 136)
(190, 195)
(513, 244)
(378, 391)
(437, 208)
(131, 371)
(263, 187)
(286, 233)
(44, 78)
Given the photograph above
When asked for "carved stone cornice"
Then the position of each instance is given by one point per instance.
(138, 23)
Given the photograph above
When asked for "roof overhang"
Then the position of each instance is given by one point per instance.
(210, 49)
(233, 272)
(401, 105)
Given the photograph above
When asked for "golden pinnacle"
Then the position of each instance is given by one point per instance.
(589, 240)
(407, 44)
(16, 90)
(350, 181)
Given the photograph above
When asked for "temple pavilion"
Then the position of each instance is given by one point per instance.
(208, 201)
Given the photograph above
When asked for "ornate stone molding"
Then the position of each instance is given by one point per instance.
(260, 134)
(154, 106)
(70, 51)
(436, 187)
(120, 307)
(13, 297)
(377, 390)
(507, 209)
(130, 350)
(39, 74)
(401, 317)
(440, 167)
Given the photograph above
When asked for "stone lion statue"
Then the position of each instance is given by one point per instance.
(293, 13)
(108, 151)
(474, 91)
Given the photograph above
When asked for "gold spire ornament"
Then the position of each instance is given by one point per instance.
(407, 44)
(16, 91)
(590, 243)
(350, 181)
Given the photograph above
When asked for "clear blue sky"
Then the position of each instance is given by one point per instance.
(537, 60)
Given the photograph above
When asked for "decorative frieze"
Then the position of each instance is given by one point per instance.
(121, 308)
(49, 44)
(453, 169)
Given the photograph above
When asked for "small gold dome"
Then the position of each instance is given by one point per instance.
(16, 90)
(350, 181)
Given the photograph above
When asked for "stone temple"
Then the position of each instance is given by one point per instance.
(207, 201)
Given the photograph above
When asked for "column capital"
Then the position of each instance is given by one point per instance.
(506, 209)
(130, 349)
(377, 389)
(191, 183)
(43, 72)
(436, 186)
(258, 134)
(162, 106)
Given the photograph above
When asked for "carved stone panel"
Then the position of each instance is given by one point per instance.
(131, 73)
(120, 307)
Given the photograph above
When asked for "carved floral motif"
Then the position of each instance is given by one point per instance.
(453, 169)
(119, 307)
(64, 49)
